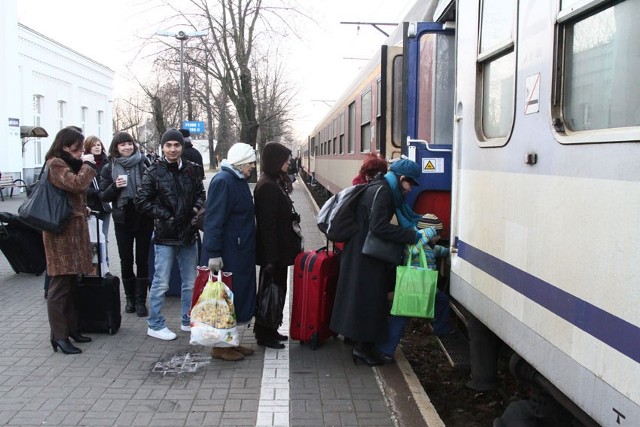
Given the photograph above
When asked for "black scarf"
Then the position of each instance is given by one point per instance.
(74, 164)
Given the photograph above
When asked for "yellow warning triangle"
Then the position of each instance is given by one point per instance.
(429, 166)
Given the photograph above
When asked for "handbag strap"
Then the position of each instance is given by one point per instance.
(421, 254)
(374, 202)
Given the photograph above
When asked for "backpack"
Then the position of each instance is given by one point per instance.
(337, 217)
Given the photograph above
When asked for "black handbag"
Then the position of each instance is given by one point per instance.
(47, 208)
(379, 248)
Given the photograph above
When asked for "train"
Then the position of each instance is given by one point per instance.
(525, 120)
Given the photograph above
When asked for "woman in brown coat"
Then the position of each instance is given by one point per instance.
(68, 253)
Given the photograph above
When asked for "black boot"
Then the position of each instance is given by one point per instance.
(141, 297)
(129, 286)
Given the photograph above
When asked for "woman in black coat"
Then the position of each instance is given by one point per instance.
(361, 307)
(276, 245)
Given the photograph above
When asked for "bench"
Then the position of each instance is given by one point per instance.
(7, 181)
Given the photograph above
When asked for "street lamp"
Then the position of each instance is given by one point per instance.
(183, 37)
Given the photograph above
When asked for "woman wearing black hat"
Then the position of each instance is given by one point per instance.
(276, 241)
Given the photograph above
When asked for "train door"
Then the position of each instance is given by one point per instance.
(429, 70)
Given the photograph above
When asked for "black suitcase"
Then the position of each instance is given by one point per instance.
(98, 301)
(22, 245)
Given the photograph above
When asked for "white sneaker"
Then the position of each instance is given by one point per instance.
(163, 334)
(185, 328)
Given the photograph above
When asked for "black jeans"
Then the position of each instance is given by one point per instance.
(126, 240)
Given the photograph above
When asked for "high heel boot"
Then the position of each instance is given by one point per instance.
(65, 345)
(367, 354)
(77, 337)
(141, 297)
(129, 286)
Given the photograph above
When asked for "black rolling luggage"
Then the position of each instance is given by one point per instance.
(22, 245)
(98, 300)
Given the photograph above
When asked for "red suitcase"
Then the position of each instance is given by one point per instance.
(315, 277)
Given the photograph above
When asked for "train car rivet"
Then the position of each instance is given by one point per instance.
(531, 158)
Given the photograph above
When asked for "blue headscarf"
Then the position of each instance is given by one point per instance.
(407, 218)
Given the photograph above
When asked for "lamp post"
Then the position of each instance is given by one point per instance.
(183, 37)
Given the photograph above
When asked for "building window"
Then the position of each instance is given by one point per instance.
(83, 118)
(497, 62)
(100, 118)
(37, 109)
(365, 121)
(61, 107)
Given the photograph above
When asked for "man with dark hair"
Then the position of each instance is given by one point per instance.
(189, 152)
(172, 193)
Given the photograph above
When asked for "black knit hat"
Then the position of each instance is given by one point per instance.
(185, 132)
(430, 220)
(172, 135)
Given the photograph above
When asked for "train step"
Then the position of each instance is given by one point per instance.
(456, 348)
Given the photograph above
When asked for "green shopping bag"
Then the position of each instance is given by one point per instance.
(415, 293)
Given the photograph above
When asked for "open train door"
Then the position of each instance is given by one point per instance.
(429, 82)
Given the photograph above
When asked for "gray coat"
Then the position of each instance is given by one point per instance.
(361, 306)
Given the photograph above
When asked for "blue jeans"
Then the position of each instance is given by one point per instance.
(187, 256)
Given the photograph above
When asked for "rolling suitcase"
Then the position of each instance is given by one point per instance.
(98, 299)
(22, 245)
(315, 277)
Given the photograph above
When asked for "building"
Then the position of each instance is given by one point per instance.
(48, 85)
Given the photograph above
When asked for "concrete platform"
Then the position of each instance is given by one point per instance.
(113, 381)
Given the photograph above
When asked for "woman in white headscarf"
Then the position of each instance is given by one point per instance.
(229, 241)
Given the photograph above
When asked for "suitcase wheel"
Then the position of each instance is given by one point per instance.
(314, 341)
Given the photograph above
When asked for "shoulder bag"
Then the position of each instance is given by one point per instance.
(379, 248)
(47, 208)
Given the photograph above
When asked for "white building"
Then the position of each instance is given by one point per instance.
(49, 85)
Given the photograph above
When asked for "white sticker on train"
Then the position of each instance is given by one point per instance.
(433, 165)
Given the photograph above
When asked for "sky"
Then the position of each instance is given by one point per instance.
(315, 59)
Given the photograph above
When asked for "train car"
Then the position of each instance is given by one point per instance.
(368, 117)
(546, 192)
(524, 118)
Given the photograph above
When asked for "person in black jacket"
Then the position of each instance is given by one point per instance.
(189, 152)
(172, 194)
(93, 145)
(276, 243)
(133, 230)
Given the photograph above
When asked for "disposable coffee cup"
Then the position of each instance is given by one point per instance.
(125, 177)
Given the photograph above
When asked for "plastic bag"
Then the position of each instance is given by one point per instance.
(213, 318)
(98, 244)
(268, 310)
(201, 281)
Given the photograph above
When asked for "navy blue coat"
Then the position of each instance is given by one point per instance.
(230, 233)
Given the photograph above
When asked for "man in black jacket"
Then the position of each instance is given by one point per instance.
(190, 153)
(172, 193)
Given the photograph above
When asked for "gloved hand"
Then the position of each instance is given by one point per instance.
(215, 264)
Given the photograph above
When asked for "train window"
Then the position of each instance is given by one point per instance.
(351, 136)
(396, 106)
(365, 121)
(436, 87)
(341, 133)
(597, 82)
(497, 65)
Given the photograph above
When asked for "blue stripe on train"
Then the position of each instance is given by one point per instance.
(611, 330)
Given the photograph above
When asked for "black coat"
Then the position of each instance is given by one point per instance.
(193, 155)
(361, 307)
(276, 241)
(172, 197)
(94, 198)
(126, 215)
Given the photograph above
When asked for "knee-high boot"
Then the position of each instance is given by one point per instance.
(129, 286)
(141, 297)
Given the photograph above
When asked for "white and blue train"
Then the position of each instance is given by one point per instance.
(525, 117)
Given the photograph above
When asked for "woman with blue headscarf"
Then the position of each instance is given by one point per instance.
(361, 305)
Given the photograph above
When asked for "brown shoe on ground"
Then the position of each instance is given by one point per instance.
(226, 353)
(245, 351)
